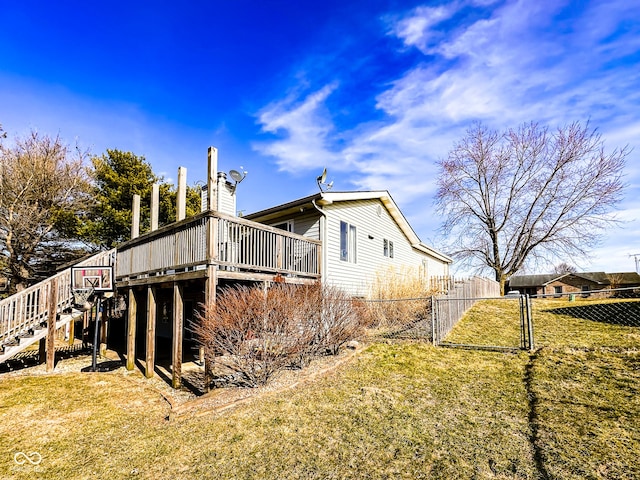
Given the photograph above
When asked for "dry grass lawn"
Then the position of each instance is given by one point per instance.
(396, 410)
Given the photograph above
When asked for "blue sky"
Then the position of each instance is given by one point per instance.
(375, 91)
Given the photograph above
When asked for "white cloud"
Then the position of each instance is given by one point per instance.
(417, 30)
(513, 64)
(304, 127)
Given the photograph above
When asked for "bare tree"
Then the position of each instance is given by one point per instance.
(564, 267)
(42, 191)
(527, 195)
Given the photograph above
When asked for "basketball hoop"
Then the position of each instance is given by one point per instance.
(83, 298)
(89, 285)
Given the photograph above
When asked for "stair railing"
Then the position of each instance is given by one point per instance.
(29, 307)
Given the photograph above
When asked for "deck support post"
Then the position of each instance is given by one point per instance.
(51, 325)
(85, 329)
(42, 351)
(151, 332)
(135, 216)
(72, 332)
(181, 196)
(212, 175)
(176, 347)
(210, 286)
(131, 330)
(155, 206)
(104, 327)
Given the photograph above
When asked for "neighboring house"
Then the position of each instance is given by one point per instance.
(582, 283)
(363, 235)
(624, 280)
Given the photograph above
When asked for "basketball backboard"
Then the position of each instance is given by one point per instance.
(98, 278)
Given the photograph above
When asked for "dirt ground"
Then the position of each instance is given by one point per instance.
(191, 398)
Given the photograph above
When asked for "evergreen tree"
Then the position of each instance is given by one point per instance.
(118, 176)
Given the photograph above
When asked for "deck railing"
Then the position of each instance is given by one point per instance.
(29, 307)
(213, 238)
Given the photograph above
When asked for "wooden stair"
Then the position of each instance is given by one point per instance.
(24, 316)
(23, 340)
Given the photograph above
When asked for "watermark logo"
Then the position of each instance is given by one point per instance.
(34, 458)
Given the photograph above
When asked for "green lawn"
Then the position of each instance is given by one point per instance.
(398, 410)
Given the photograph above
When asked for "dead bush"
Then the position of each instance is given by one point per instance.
(242, 333)
(398, 297)
(252, 333)
(340, 321)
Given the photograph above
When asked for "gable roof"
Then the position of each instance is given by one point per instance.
(600, 278)
(624, 278)
(597, 277)
(532, 280)
(327, 198)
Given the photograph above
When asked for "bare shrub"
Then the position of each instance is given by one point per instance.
(243, 335)
(340, 321)
(254, 333)
(398, 297)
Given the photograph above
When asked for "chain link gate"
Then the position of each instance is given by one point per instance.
(483, 328)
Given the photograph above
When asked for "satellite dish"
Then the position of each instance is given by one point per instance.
(322, 181)
(236, 175)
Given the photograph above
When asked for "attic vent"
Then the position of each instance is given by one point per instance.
(379, 210)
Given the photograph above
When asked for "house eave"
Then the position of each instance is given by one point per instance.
(322, 199)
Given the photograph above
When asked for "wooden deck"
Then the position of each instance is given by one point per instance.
(234, 247)
(166, 265)
(206, 248)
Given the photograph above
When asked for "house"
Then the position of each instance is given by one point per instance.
(567, 283)
(363, 235)
(624, 280)
(166, 274)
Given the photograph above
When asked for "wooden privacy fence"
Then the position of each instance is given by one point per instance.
(448, 309)
(213, 238)
(30, 307)
(441, 284)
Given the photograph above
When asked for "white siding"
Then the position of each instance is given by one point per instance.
(226, 198)
(305, 223)
(373, 224)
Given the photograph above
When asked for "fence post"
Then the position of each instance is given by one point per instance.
(523, 328)
(530, 324)
(433, 320)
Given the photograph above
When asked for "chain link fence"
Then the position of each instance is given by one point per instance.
(603, 318)
(428, 318)
(496, 323)
(403, 318)
(590, 319)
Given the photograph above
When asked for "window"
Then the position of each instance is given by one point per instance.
(347, 242)
(387, 248)
(585, 290)
(558, 290)
(286, 226)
